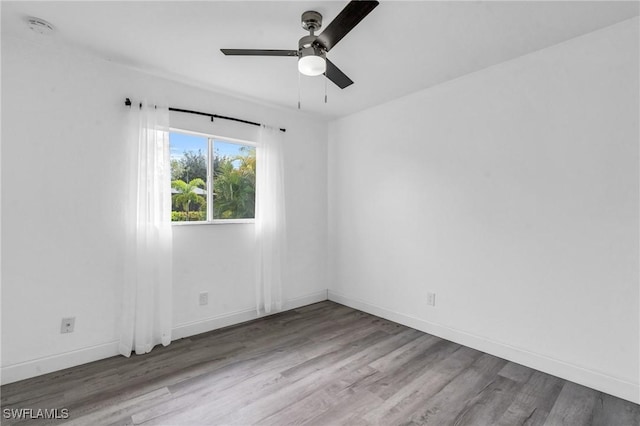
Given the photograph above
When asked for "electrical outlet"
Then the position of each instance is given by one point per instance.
(204, 298)
(67, 325)
(431, 299)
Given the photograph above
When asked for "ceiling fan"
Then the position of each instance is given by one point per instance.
(312, 49)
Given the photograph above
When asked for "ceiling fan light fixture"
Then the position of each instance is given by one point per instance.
(312, 65)
(311, 57)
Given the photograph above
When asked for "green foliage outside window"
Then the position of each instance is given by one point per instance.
(234, 181)
(234, 185)
(187, 198)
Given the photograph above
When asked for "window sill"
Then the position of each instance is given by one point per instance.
(215, 222)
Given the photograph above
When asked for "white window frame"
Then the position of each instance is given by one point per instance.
(210, 151)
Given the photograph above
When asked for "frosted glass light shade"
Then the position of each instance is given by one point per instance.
(312, 65)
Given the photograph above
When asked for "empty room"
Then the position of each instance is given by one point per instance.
(320, 213)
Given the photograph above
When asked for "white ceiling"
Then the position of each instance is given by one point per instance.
(401, 47)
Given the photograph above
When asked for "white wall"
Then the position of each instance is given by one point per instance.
(62, 226)
(511, 193)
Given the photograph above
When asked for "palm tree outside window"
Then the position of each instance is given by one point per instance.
(211, 178)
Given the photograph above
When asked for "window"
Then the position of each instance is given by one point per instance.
(211, 178)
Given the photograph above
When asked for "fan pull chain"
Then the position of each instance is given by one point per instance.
(298, 90)
(325, 89)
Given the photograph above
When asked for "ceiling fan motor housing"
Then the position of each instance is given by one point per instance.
(307, 45)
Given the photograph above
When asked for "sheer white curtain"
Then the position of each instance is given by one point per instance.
(147, 309)
(270, 225)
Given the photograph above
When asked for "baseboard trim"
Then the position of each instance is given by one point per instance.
(49, 364)
(37, 367)
(309, 299)
(593, 379)
(213, 323)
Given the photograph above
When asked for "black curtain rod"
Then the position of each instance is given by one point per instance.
(127, 102)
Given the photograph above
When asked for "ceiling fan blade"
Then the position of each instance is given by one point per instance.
(346, 20)
(259, 52)
(334, 74)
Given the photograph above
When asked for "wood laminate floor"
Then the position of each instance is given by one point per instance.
(323, 364)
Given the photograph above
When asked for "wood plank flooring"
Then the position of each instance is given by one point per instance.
(323, 364)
